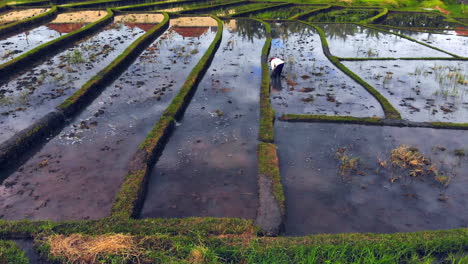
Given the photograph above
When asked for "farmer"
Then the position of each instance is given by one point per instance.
(276, 67)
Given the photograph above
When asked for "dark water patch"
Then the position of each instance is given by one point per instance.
(77, 174)
(343, 15)
(310, 83)
(209, 167)
(349, 40)
(448, 40)
(420, 90)
(413, 19)
(27, 246)
(17, 15)
(283, 13)
(373, 194)
(38, 91)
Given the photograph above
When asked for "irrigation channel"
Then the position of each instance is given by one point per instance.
(364, 131)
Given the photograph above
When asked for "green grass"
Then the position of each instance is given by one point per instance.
(268, 165)
(10, 253)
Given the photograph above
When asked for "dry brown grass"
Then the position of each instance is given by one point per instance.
(406, 157)
(80, 249)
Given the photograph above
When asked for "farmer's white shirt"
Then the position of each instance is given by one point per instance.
(275, 62)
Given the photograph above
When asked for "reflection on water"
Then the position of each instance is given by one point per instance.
(208, 167)
(17, 15)
(310, 83)
(343, 15)
(350, 40)
(420, 90)
(417, 20)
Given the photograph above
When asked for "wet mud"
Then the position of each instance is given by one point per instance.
(349, 40)
(343, 178)
(17, 15)
(30, 252)
(38, 91)
(420, 90)
(310, 83)
(77, 174)
(449, 40)
(209, 166)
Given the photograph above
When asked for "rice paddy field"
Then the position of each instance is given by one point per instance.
(153, 132)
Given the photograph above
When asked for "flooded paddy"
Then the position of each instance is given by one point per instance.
(38, 91)
(283, 13)
(209, 167)
(349, 40)
(13, 46)
(20, 14)
(351, 178)
(415, 19)
(448, 40)
(420, 90)
(344, 15)
(77, 174)
(310, 83)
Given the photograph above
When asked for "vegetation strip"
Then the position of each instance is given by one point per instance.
(419, 247)
(257, 10)
(26, 60)
(312, 12)
(155, 4)
(28, 23)
(371, 121)
(267, 114)
(408, 38)
(209, 8)
(11, 253)
(271, 211)
(389, 110)
(36, 134)
(378, 18)
(130, 197)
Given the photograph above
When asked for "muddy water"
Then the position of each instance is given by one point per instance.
(18, 15)
(420, 90)
(310, 83)
(77, 174)
(349, 40)
(65, 23)
(400, 19)
(320, 199)
(449, 40)
(344, 15)
(208, 167)
(36, 92)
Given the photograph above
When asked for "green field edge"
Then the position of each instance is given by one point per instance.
(257, 10)
(370, 121)
(128, 200)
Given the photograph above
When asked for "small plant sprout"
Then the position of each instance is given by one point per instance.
(348, 164)
(459, 152)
